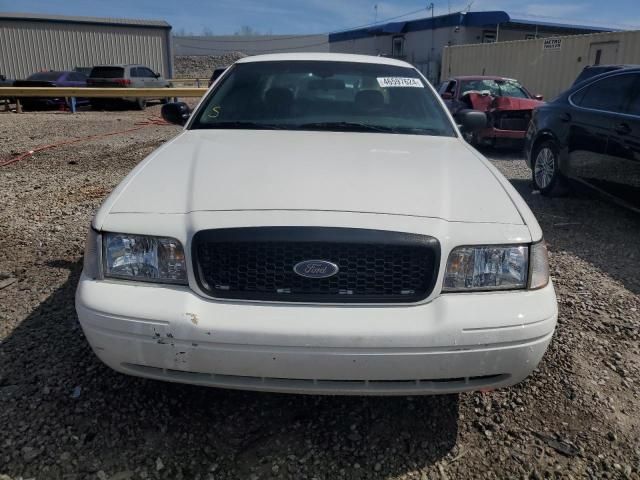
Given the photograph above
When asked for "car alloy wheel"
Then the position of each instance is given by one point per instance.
(545, 167)
(546, 173)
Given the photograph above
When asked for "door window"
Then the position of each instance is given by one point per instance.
(135, 72)
(147, 73)
(450, 89)
(611, 94)
(634, 103)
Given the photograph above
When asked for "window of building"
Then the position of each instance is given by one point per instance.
(598, 57)
(397, 46)
(530, 36)
(489, 36)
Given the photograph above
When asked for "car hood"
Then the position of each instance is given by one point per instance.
(234, 170)
(487, 103)
(513, 103)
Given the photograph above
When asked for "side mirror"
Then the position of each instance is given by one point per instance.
(538, 97)
(471, 120)
(157, 75)
(447, 96)
(176, 112)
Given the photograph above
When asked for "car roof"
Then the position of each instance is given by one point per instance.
(120, 65)
(588, 81)
(324, 57)
(481, 77)
(59, 72)
(611, 66)
(611, 72)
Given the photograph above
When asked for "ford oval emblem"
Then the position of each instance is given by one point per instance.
(316, 269)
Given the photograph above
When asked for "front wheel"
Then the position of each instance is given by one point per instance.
(545, 170)
(141, 103)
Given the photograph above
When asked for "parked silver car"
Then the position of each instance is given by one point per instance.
(125, 76)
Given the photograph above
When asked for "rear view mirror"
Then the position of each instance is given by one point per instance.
(538, 97)
(471, 120)
(176, 112)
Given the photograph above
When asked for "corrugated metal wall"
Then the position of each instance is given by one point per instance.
(545, 71)
(27, 47)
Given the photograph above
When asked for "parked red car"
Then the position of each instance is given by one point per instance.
(508, 105)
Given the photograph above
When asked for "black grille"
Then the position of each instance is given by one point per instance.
(257, 264)
(513, 120)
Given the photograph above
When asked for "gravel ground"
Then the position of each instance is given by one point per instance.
(63, 415)
(202, 66)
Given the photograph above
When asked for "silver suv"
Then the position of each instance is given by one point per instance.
(125, 76)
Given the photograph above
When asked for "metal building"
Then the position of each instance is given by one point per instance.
(544, 66)
(31, 42)
(421, 41)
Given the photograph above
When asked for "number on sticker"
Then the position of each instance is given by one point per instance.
(399, 82)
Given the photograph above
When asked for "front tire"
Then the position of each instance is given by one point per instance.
(545, 170)
(141, 103)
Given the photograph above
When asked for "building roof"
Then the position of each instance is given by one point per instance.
(37, 17)
(469, 19)
(543, 24)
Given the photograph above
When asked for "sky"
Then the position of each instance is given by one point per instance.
(224, 17)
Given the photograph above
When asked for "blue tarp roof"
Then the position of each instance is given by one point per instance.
(470, 19)
(395, 27)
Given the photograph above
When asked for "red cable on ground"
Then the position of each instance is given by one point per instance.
(151, 121)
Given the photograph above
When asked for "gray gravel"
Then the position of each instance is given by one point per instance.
(63, 415)
(202, 66)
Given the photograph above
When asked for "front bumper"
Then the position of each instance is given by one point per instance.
(457, 342)
(489, 133)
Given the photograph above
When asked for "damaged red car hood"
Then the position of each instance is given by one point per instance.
(487, 102)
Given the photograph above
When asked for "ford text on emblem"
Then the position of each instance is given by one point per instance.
(316, 269)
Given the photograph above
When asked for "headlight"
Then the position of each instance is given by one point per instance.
(489, 267)
(144, 258)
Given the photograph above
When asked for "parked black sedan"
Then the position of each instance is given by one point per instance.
(51, 79)
(590, 133)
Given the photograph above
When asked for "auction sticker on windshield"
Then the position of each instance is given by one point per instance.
(399, 82)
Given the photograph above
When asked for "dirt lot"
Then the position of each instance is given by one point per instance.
(65, 415)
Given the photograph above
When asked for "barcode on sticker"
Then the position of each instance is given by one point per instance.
(399, 82)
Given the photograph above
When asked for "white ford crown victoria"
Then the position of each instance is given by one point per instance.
(320, 226)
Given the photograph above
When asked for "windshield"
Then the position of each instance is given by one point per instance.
(107, 72)
(320, 95)
(495, 88)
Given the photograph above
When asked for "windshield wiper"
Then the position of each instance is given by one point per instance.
(345, 126)
(243, 125)
(419, 131)
(364, 127)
